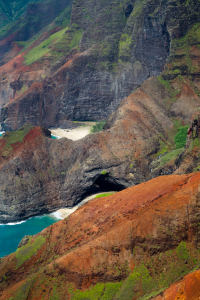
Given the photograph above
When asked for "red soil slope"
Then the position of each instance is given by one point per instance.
(86, 247)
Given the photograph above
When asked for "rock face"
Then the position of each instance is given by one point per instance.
(120, 44)
(147, 234)
(39, 174)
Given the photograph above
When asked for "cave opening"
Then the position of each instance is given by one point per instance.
(104, 183)
(128, 10)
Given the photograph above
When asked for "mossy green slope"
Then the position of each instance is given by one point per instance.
(26, 252)
(151, 275)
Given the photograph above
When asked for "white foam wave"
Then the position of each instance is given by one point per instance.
(57, 215)
(13, 223)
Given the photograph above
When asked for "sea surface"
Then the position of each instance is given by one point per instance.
(12, 233)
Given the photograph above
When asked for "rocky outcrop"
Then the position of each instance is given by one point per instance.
(145, 237)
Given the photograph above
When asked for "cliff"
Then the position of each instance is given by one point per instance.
(124, 246)
(107, 50)
(39, 174)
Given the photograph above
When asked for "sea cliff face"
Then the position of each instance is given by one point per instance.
(118, 46)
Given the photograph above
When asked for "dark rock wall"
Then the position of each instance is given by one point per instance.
(123, 44)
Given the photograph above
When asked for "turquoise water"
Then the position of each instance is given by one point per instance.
(11, 235)
(53, 137)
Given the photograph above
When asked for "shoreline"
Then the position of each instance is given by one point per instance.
(73, 134)
(63, 213)
(59, 214)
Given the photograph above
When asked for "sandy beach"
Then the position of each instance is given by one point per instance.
(65, 212)
(74, 134)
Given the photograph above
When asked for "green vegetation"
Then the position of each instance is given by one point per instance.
(104, 172)
(181, 137)
(171, 155)
(7, 27)
(64, 18)
(166, 158)
(26, 252)
(148, 277)
(93, 293)
(98, 127)
(23, 292)
(181, 62)
(173, 92)
(164, 82)
(104, 195)
(56, 45)
(55, 295)
(195, 143)
(13, 9)
(100, 291)
(14, 137)
(125, 45)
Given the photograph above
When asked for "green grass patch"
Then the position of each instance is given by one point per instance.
(100, 291)
(166, 158)
(98, 127)
(171, 155)
(181, 137)
(94, 293)
(110, 290)
(56, 45)
(104, 195)
(13, 137)
(26, 252)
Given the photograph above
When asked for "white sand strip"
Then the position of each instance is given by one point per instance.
(74, 134)
(65, 212)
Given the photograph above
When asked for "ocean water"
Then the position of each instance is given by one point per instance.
(12, 233)
(54, 137)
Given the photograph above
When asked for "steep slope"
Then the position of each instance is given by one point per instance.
(186, 288)
(148, 234)
(31, 26)
(61, 172)
(120, 44)
(14, 9)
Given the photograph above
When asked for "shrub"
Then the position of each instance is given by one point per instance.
(181, 137)
(98, 127)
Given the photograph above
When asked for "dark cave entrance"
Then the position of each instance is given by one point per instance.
(128, 10)
(104, 183)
